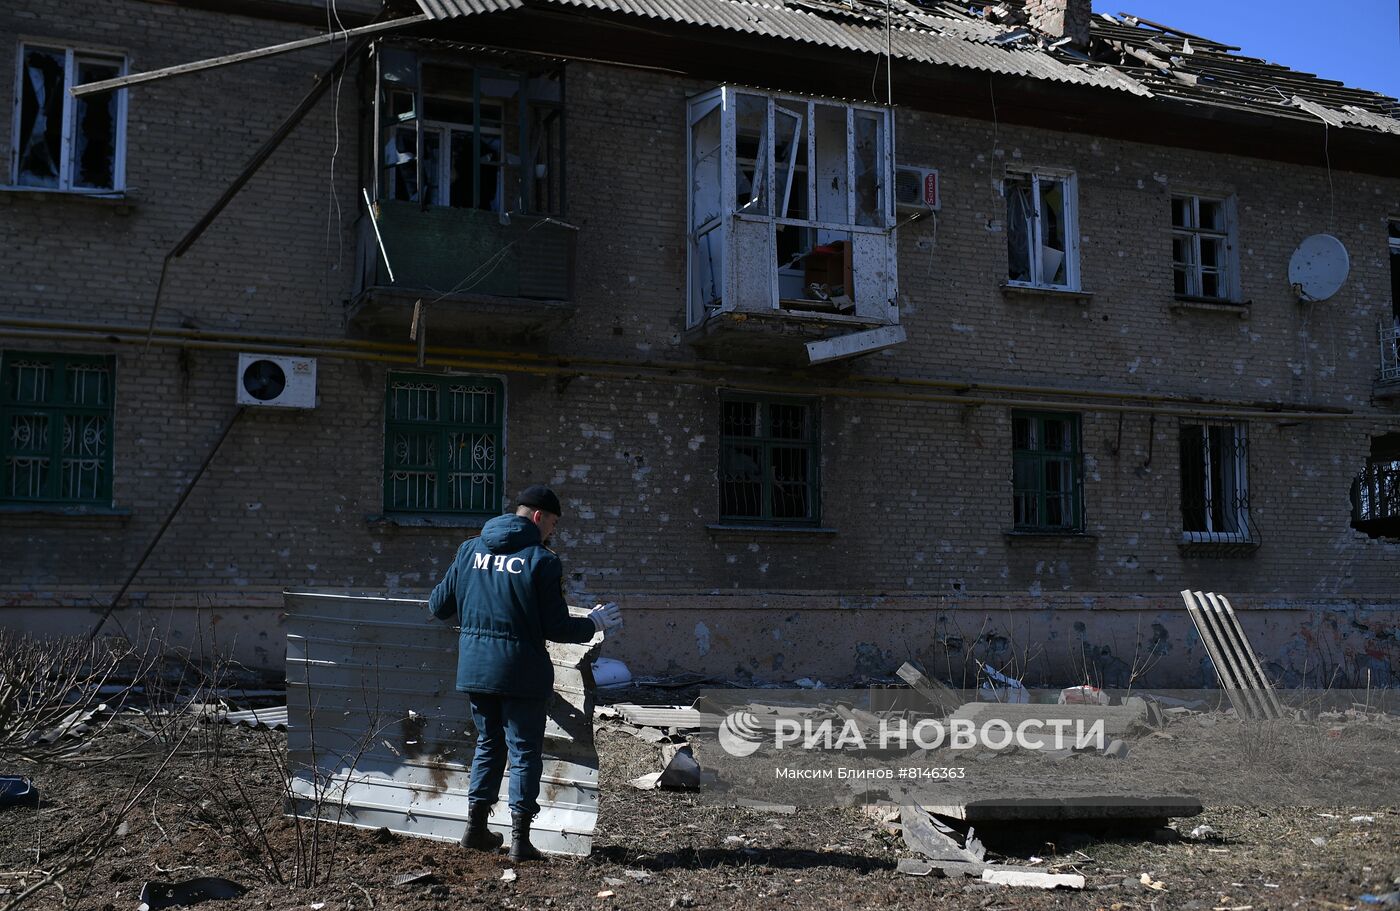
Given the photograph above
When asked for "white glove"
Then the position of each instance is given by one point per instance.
(607, 618)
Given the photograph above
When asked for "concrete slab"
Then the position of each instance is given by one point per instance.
(1106, 807)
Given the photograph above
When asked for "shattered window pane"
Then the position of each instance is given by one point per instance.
(88, 156)
(1052, 231)
(41, 117)
(751, 149)
(95, 129)
(1200, 247)
(1020, 228)
(831, 151)
(869, 156)
(790, 160)
(486, 144)
(1395, 270)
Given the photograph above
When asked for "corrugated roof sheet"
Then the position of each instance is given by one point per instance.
(915, 34)
(374, 710)
(1128, 54)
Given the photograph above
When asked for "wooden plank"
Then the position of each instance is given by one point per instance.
(196, 66)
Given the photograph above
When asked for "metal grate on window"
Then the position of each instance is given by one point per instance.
(443, 439)
(1215, 486)
(768, 461)
(55, 428)
(1047, 472)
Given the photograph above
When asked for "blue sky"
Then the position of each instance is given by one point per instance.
(1356, 42)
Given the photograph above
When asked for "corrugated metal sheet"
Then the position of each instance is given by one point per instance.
(380, 737)
(273, 717)
(865, 34)
(948, 35)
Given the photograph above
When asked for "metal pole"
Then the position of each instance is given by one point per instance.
(184, 495)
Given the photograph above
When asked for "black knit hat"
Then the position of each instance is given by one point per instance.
(537, 496)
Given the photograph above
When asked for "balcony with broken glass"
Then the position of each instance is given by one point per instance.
(790, 223)
(464, 226)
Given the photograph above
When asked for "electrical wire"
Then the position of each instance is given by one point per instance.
(333, 23)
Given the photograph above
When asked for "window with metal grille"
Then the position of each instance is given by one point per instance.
(55, 428)
(768, 460)
(62, 142)
(1215, 483)
(1202, 248)
(1047, 473)
(443, 439)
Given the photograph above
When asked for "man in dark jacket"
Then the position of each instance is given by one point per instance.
(506, 589)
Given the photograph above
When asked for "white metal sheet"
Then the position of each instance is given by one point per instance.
(372, 708)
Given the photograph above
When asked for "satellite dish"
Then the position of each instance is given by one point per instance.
(1318, 267)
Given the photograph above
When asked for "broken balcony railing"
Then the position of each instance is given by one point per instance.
(442, 250)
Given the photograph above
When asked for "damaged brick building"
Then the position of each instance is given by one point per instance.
(849, 332)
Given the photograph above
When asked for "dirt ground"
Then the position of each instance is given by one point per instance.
(653, 849)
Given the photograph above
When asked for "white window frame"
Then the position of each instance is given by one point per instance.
(72, 56)
(1240, 467)
(1228, 282)
(1071, 216)
(725, 99)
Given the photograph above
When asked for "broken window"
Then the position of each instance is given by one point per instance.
(768, 460)
(1046, 472)
(1215, 482)
(465, 136)
(1202, 247)
(442, 445)
(55, 428)
(790, 206)
(62, 142)
(1394, 240)
(1041, 232)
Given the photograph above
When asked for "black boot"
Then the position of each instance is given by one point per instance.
(477, 835)
(520, 847)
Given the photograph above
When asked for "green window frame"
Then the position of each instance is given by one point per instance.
(1047, 472)
(56, 428)
(770, 458)
(444, 444)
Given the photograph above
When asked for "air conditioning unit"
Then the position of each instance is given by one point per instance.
(275, 381)
(916, 188)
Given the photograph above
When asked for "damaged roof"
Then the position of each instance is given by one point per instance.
(1125, 53)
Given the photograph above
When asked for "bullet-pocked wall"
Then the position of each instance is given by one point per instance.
(914, 555)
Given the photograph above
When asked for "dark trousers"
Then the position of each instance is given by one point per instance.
(507, 727)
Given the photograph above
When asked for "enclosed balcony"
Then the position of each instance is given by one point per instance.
(465, 225)
(791, 224)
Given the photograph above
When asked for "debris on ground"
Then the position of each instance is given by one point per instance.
(156, 895)
(17, 791)
(1000, 688)
(1005, 876)
(609, 672)
(1084, 695)
(941, 697)
(1204, 832)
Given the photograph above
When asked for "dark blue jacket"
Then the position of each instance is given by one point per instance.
(506, 590)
